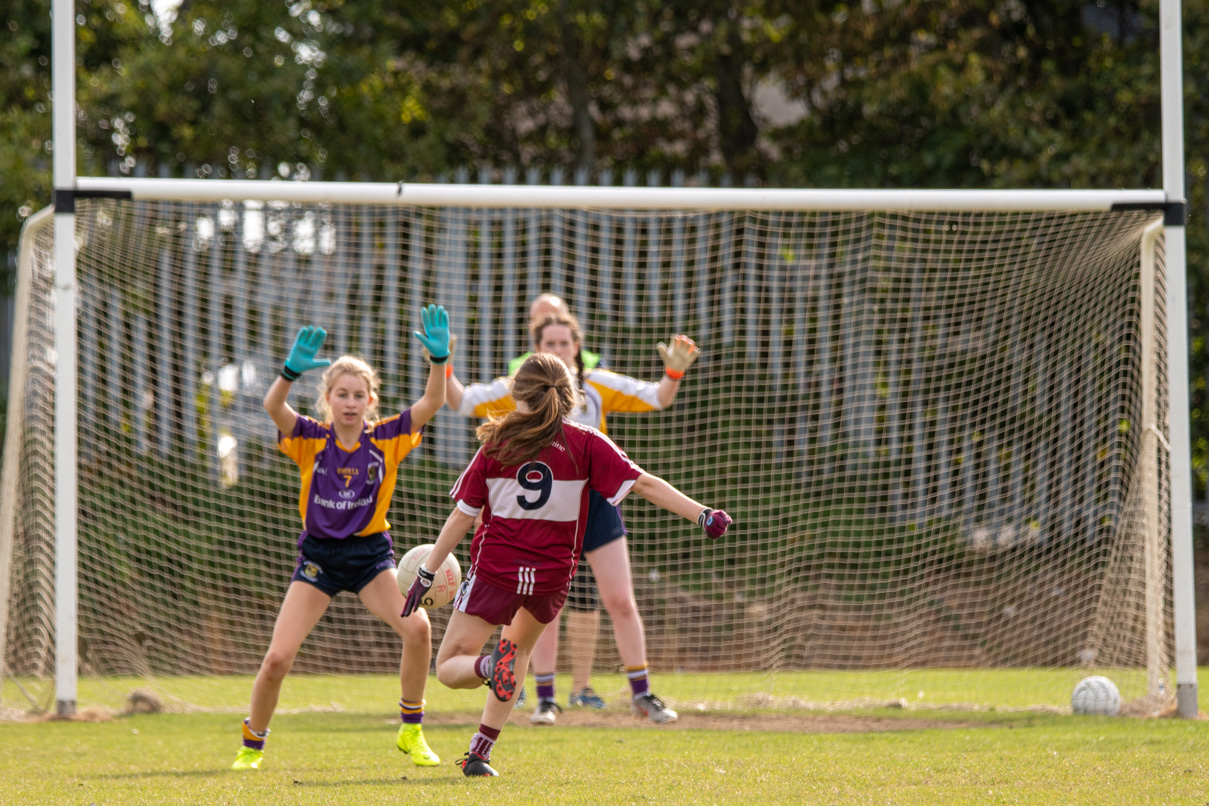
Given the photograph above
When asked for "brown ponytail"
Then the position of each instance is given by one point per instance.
(544, 385)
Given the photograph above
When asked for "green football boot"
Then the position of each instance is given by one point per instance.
(411, 741)
(248, 759)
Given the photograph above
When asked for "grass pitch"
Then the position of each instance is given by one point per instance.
(344, 752)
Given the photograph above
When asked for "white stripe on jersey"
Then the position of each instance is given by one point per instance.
(469, 510)
(562, 505)
(622, 493)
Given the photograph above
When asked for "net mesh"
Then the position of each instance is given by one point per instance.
(928, 427)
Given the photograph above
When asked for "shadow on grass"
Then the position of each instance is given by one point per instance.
(130, 776)
(381, 782)
(124, 776)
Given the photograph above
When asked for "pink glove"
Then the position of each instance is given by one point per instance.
(418, 590)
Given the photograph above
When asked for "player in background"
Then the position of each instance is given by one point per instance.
(529, 483)
(543, 305)
(604, 545)
(349, 465)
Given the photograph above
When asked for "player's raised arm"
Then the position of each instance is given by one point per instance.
(436, 341)
(453, 387)
(301, 358)
(676, 360)
(654, 489)
(453, 391)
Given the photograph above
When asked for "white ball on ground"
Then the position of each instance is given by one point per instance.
(1095, 696)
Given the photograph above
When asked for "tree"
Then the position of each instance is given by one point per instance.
(972, 94)
(893, 93)
(25, 145)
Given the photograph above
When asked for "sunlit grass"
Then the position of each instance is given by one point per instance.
(349, 758)
(972, 689)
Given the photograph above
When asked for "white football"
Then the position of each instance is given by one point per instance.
(1096, 696)
(444, 587)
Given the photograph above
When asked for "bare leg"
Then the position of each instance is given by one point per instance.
(524, 631)
(583, 627)
(611, 564)
(384, 600)
(301, 610)
(545, 652)
(612, 567)
(460, 650)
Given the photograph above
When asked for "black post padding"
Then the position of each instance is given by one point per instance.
(65, 199)
(1175, 213)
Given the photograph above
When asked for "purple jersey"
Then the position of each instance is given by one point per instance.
(346, 490)
(534, 514)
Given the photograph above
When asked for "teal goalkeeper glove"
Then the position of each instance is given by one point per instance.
(302, 354)
(453, 345)
(435, 337)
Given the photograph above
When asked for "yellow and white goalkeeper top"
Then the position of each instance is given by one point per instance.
(603, 392)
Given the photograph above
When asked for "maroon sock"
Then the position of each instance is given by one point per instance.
(483, 741)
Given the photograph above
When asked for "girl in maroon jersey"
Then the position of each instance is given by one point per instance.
(529, 482)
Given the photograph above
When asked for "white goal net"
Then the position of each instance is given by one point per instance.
(941, 435)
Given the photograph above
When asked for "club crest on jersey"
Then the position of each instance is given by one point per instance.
(311, 571)
(371, 474)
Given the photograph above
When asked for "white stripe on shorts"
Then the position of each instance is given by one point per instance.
(525, 580)
(463, 594)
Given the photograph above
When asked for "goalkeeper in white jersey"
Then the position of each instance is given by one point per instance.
(604, 541)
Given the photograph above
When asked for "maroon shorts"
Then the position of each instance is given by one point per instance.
(478, 597)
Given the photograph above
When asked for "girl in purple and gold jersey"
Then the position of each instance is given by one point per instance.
(349, 464)
(530, 483)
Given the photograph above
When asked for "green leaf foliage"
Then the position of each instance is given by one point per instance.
(911, 93)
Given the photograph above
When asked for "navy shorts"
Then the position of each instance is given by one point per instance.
(604, 522)
(604, 526)
(343, 564)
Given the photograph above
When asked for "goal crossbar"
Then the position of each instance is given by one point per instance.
(621, 198)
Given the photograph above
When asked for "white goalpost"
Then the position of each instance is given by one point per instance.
(1172, 103)
(952, 425)
(938, 420)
